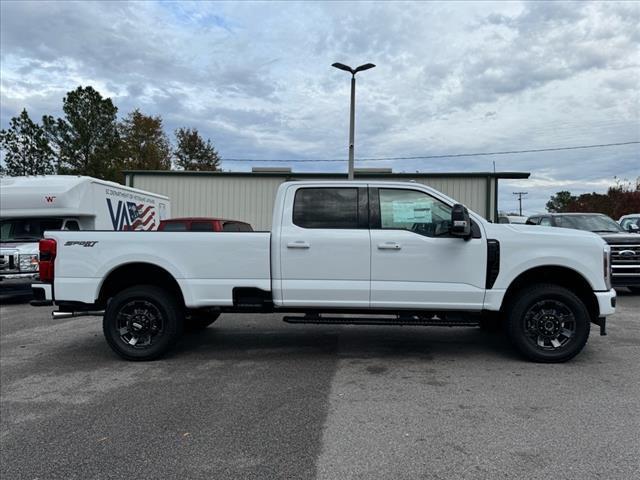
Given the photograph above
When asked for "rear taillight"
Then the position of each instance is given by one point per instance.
(48, 249)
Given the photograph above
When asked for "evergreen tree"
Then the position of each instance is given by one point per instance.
(86, 139)
(26, 148)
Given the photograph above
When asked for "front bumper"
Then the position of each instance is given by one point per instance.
(606, 302)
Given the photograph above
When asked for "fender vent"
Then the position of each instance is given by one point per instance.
(493, 262)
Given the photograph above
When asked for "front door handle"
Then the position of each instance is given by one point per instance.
(389, 246)
(298, 244)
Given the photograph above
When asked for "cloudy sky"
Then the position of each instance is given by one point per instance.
(451, 78)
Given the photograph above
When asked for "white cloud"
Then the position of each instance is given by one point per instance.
(451, 77)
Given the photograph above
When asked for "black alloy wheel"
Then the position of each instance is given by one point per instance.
(548, 323)
(142, 322)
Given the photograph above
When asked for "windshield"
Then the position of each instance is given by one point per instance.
(590, 223)
(27, 229)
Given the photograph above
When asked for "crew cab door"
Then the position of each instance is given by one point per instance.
(325, 247)
(415, 262)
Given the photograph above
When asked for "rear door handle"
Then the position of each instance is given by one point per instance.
(298, 244)
(389, 246)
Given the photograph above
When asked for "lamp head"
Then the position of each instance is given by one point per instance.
(364, 67)
(344, 67)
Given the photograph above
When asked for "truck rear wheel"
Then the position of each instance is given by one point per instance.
(548, 323)
(142, 322)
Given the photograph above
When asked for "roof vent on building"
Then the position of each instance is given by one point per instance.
(270, 170)
(373, 170)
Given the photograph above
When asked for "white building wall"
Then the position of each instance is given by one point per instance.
(250, 198)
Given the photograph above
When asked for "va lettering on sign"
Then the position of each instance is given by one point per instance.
(131, 215)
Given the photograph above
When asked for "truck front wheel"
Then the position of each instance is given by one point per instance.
(548, 323)
(142, 322)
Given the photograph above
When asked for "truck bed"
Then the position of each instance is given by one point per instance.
(207, 265)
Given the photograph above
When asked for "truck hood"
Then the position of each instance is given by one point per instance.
(556, 233)
(621, 238)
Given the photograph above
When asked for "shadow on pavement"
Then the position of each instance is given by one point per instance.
(426, 343)
(15, 298)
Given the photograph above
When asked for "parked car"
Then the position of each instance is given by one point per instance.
(29, 206)
(383, 252)
(512, 219)
(630, 223)
(203, 224)
(625, 247)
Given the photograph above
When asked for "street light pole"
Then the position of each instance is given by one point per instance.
(352, 111)
(352, 127)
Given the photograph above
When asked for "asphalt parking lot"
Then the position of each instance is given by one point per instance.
(252, 397)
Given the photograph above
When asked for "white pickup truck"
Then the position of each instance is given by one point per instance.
(339, 252)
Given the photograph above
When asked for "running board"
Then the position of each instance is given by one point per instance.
(58, 315)
(433, 321)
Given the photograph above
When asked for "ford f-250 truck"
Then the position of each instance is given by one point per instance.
(339, 252)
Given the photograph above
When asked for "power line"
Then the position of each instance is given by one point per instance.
(426, 157)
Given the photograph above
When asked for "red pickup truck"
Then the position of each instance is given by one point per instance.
(203, 224)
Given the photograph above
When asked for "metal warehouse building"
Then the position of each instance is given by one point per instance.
(249, 196)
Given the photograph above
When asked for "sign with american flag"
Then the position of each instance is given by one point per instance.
(132, 216)
(141, 217)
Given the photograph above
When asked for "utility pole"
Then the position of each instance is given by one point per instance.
(520, 195)
(352, 111)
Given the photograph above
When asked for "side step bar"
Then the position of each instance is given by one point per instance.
(57, 315)
(435, 321)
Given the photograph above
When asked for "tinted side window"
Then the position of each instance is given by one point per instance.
(175, 227)
(72, 225)
(326, 208)
(201, 226)
(236, 227)
(414, 211)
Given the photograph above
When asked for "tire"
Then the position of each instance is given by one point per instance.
(197, 321)
(491, 323)
(548, 323)
(142, 323)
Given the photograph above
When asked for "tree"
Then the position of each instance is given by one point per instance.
(26, 147)
(620, 199)
(559, 202)
(86, 139)
(193, 153)
(143, 143)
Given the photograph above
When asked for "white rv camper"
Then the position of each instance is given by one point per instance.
(31, 205)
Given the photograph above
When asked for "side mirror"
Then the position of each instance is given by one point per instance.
(460, 221)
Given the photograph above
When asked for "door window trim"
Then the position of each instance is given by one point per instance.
(362, 207)
(375, 218)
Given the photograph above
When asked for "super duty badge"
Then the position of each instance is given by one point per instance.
(84, 243)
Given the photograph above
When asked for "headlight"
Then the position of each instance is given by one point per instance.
(28, 262)
(606, 264)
